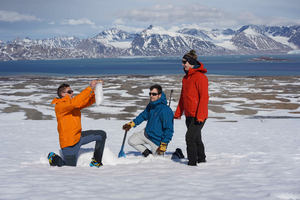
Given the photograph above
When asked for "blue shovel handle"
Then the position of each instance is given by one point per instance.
(122, 153)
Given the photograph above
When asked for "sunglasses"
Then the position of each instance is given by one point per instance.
(69, 91)
(184, 62)
(153, 94)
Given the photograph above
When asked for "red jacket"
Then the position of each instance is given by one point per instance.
(69, 116)
(194, 95)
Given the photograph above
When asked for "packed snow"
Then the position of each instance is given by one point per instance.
(247, 157)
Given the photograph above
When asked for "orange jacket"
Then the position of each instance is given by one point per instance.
(194, 95)
(69, 116)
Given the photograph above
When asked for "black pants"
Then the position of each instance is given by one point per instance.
(193, 138)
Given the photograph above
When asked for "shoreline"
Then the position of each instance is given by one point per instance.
(259, 97)
(132, 75)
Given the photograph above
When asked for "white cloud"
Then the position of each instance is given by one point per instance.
(52, 23)
(128, 29)
(197, 14)
(279, 21)
(118, 21)
(9, 16)
(82, 21)
(174, 14)
(119, 24)
(75, 22)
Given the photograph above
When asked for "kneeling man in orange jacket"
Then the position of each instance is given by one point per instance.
(71, 138)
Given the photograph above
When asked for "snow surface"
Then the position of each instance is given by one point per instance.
(247, 158)
(283, 40)
(123, 44)
(226, 44)
(223, 41)
(251, 32)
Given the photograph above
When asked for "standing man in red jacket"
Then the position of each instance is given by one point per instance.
(194, 103)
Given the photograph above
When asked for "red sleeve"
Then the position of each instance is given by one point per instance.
(202, 87)
(180, 106)
(179, 109)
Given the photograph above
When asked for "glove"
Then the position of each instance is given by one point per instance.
(128, 126)
(162, 148)
(177, 118)
(199, 122)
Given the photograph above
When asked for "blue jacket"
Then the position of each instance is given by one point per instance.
(159, 119)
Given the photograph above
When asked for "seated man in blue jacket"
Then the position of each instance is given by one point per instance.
(159, 129)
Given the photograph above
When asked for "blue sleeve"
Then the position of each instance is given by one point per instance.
(142, 116)
(168, 125)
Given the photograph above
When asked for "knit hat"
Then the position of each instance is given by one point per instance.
(190, 60)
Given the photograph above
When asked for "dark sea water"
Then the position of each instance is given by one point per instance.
(217, 65)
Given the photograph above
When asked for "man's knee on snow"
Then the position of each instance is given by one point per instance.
(70, 160)
(146, 152)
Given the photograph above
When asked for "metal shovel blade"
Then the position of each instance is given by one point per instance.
(122, 153)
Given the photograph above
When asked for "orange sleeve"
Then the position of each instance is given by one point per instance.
(78, 101)
(89, 101)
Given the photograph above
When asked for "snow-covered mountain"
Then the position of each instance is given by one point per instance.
(2, 43)
(156, 41)
(110, 42)
(252, 40)
(115, 37)
(218, 37)
(274, 31)
(295, 39)
(59, 42)
(280, 34)
(196, 32)
(41, 52)
(95, 46)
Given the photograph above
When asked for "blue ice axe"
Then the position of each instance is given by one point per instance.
(122, 153)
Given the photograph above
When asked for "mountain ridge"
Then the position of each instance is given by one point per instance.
(157, 41)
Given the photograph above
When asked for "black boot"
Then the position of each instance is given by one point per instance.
(201, 160)
(147, 152)
(192, 163)
(177, 154)
(55, 160)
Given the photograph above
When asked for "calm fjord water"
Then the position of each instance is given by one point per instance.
(218, 65)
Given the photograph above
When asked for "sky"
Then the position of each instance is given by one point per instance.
(39, 19)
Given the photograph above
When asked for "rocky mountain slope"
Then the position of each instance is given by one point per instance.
(252, 41)
(58, 42)
(107, 43)
(156, 41)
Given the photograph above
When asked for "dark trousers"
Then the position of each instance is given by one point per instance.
(71, 153)
(193, 138)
